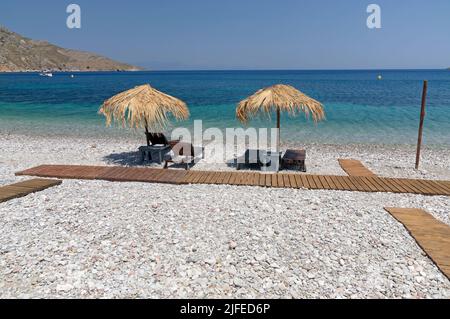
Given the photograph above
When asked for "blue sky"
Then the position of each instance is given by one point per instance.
(244, 34)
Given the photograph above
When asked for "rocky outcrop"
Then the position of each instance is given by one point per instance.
(20, 54)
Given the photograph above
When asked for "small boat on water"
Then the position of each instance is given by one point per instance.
(46, 74)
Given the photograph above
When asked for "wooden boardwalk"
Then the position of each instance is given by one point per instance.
(24, 188)
(355, 168)
(284, 180)
(432, 235)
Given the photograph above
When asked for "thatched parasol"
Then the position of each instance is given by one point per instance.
(143, 107)
(279, 98)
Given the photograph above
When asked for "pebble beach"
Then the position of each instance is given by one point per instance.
(95, 239)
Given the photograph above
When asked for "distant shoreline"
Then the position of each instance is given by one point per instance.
(70, 71)
(223, 70)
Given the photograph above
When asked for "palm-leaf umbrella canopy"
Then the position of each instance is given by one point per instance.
(279, 98)
(143, 107)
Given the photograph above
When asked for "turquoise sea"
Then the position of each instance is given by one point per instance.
(359, 108)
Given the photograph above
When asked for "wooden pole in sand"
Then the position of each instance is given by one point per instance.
(422, 118)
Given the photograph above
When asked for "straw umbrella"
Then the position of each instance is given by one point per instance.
(143, 107)
(279, 98)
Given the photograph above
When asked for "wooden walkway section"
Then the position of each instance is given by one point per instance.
(355, 168)
(24, 188)
(432, 235)
(283, 180)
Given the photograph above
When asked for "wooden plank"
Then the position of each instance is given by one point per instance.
(350, 180)
(235, 178)
(357, 183)
(248, 180)
(203, 177)
(286, 180)
(305, 181)
(240, 178)
(228, 178)
(432, 236)
(332, 180)
(420, 187)
(390, 185)
(208, 177)
(245, 178)
(438, 188)
(312, 183)
(298, 180)
(380, 186)
(427, 190)
(394, 185)
(331, 184)
(32, 171)
(262, 180)
(219, 178)
(33, 183)
(407, 184)
(231, 176)
(152, 175)
(293, 180)
(232, 179)
(355, 168)
(280, 180)
(24, 188)
(369, 183)
(317, 182)
(274, 178)
(345, 182)
(255, 180)
(268, 180)
(444, 184)
(417, 186)
(198, 176)
(109, 173)
(324, 182)
(170, 176)
(155, 175)
(251, 180)
(189, 177)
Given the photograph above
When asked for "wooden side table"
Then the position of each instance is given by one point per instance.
(295, 158)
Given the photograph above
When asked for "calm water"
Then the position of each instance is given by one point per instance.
(359, 108)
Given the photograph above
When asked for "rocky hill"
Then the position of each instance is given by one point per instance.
(20, 54)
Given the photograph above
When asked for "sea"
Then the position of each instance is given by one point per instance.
(360, 108)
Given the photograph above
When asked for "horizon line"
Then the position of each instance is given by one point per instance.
(233, 70)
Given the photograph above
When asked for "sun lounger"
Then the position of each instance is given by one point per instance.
(159, 139)
(185, 154)
(266, 160)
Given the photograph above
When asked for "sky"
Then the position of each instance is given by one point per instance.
(244, 34)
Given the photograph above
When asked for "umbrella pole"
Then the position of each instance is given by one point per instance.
(278, 130)
(147, 133)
